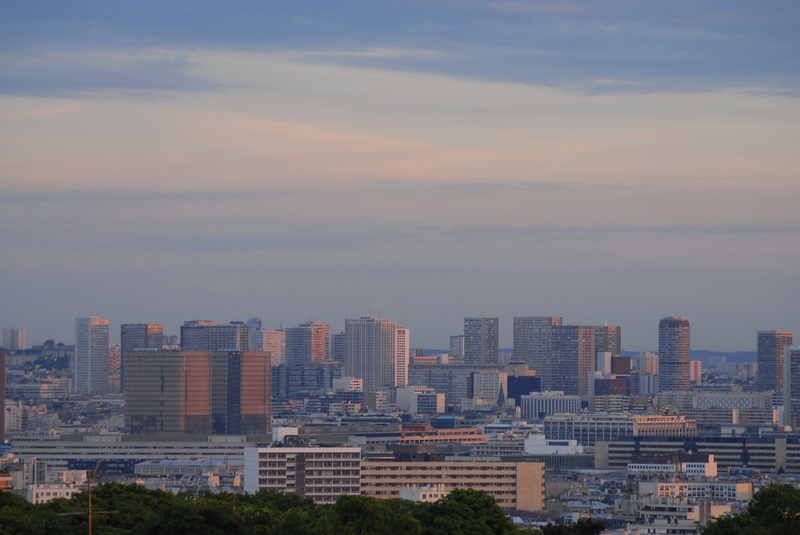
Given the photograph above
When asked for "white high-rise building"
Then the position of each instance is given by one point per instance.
(377, 351)
(90, 366)
(14, 339)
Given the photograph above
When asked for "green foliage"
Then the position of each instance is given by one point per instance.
(774, 510)
(584, 526)
(135, 510)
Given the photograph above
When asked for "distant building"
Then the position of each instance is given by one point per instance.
(377, 351)
(322, 474)
(138, 336)
(481, 340)
(674, 353)
(538, 405)
(201, 335)
(513, 484)
(791, 382)
(457, 347)
(770, 346)
(3, 396)
(14, 339)
(90, 369)
(520, 385)
(337, 347)
(306, 345)
(274, 343)
(589, 429)
(531, 340)
(198, 392)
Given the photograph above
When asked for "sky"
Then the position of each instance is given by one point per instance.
(614, 161)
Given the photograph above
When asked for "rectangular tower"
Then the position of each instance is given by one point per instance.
(673, 353)
(572, 359)
(138, 336)
(481, 340)
(791, 389)
(374, 351)
(14, 339)
(306, 345)
(770, 358)
(90, 368)
(198, 392)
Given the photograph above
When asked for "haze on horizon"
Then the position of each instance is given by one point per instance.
(611, 161)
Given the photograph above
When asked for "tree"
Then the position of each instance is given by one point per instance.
(774, 510)
(584, 526)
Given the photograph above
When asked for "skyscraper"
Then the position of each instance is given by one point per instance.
(532, 339)
(90, 366)
(275, 343)
(791, 386)
(306, 344)
(198, 392)
(138, 336)
(481, 340)
(14, 339)
(770, 346)
(376, 351)
(673, 353)
(572, 359)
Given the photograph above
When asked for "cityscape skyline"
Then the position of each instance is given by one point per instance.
(608, 163)
(508, 334)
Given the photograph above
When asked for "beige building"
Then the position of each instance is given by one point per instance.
(515, 485)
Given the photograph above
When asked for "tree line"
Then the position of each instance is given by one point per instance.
(134, 510)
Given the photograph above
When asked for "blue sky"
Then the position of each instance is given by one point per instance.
(611, 161)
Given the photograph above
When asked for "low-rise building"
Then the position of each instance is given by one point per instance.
(316, 472)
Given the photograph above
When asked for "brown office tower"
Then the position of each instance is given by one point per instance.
(198, 392)
(770, 358)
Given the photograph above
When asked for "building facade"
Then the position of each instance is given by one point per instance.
(377, 351)
(198, 392)
(791, 386)
(770, 346)
(673, 353)
(322, 474)
(138, 336)
(90, 366)
(481, 340)
(514, 485)
(14, 339)
(306, 345)
(531, 340)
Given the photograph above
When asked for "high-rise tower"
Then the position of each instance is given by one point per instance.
(90, 366)
(306, 344)
(14, 339)
(138, 336)
(198, 392)
(481, 340)
(770, 358)
(673, 353)
(791, 386)
(376, 351)
(532, 342)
